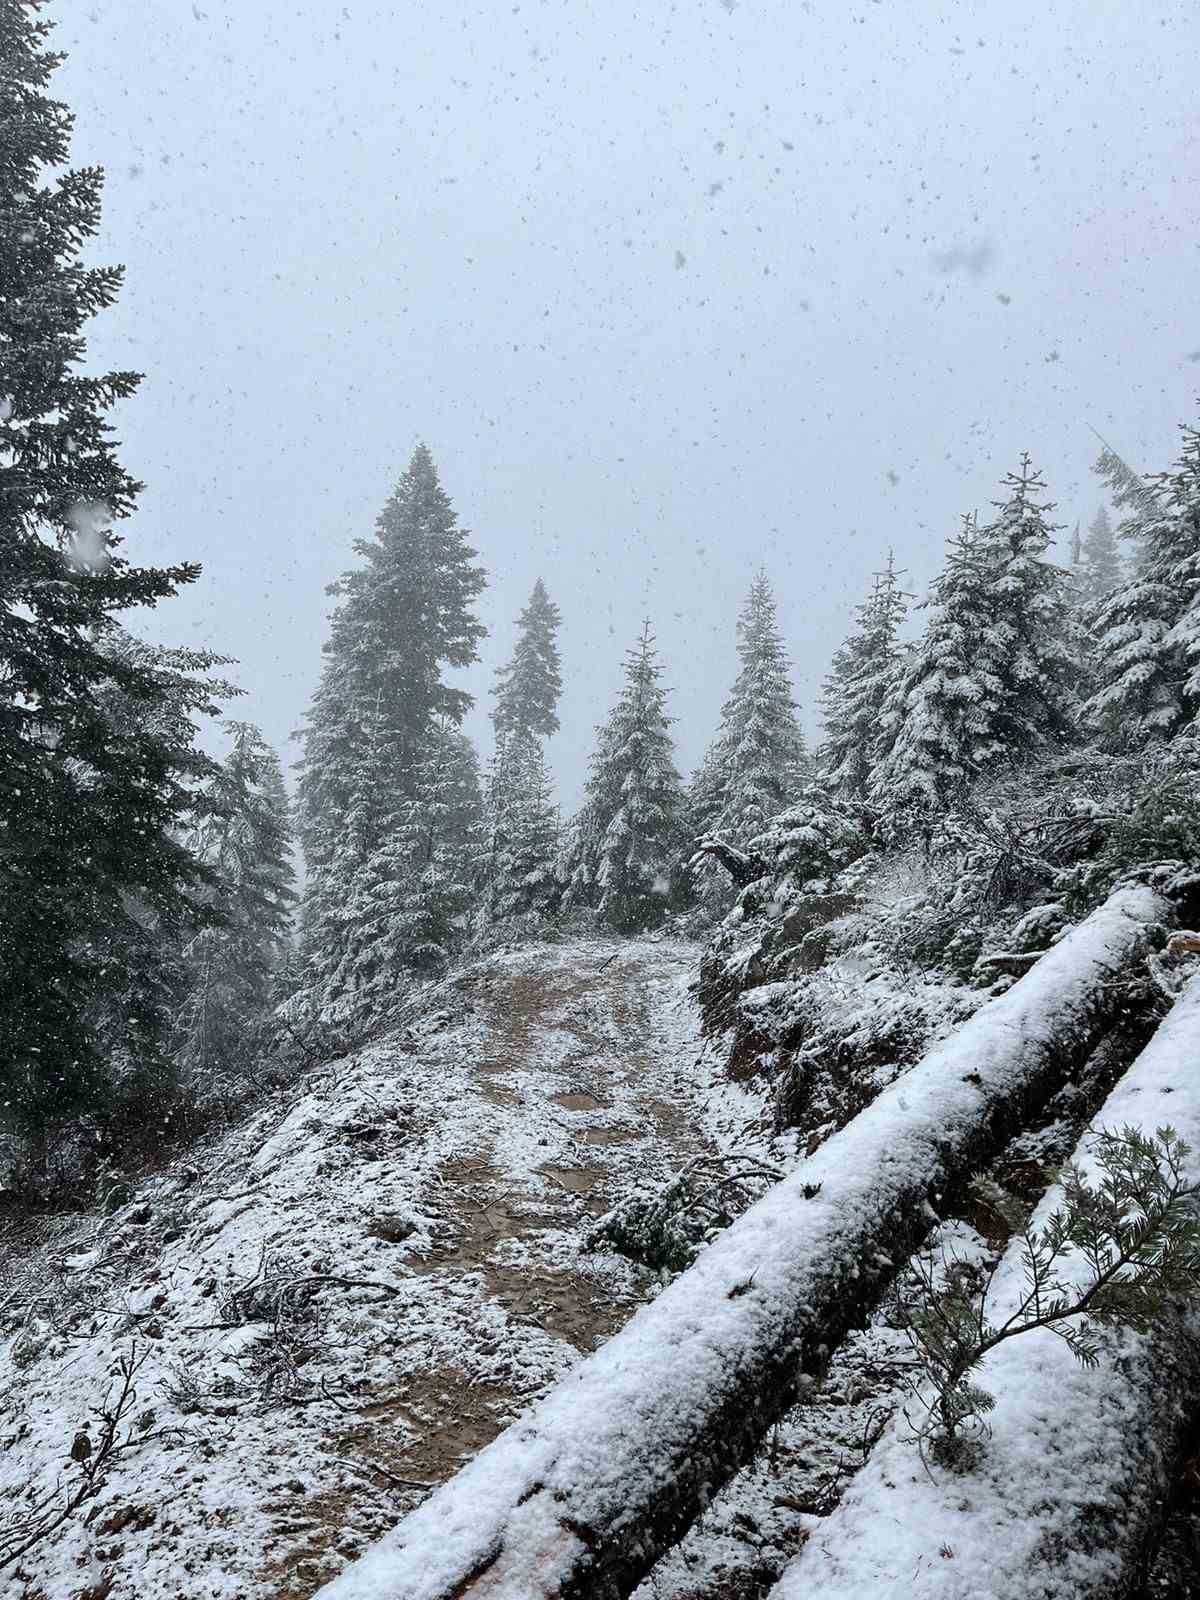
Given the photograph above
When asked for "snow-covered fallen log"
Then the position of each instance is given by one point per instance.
(581, 1496)
(1072, 1479)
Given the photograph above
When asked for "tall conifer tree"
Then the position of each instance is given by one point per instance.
(752, 767)
(625, 854)
(231, 971)
(522, 829)
(90, 815)
(995, 677)
(405, 616)
(1099, 568)
(528, 687)
(522, 821)
(1147, 658)
(858, 689)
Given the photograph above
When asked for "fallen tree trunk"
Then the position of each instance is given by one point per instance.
(1070, 1488)
(580, 1497)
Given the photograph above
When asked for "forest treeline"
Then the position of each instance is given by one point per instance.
(156, 957)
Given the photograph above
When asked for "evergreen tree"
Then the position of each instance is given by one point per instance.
(404, 618)
(858, 689)
(413, 892)
(626, 845)
(131, 1015)
(527, 689)
(752, 767)
(1147, 663)
(937, 722)
(522, 828)
(1099, 564)
(994, 678)
(89, 816)
(232, 969)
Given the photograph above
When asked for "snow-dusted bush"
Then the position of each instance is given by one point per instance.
(664, 1226)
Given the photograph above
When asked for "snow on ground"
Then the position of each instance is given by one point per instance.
(593, 1454)
(335, 1305)
(1066, 1464)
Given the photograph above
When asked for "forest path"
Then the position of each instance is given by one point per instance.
(580, 1077)
(338, 1302)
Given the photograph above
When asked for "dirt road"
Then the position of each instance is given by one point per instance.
(336, 1304)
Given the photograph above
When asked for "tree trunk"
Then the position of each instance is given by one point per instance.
(1076, 1464)
(583, 1495)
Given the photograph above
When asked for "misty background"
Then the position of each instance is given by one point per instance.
(671, 291)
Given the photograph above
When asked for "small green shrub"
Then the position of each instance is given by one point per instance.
(1137, 1230)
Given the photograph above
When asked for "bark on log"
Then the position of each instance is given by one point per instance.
(1069, 1493)
(581, 1496)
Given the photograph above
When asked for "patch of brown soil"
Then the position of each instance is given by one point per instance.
(577, 1100)
(608, 1135)
(578, 1180)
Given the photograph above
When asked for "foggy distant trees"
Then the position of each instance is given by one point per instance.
(231, 971)
(521, 816)
(1099, 569)
(528, 687)
(857, 695)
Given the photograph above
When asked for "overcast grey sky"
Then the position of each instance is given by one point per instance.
(670, 290)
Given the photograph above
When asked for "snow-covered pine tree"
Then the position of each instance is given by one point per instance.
(938, 716)
(1098, 571)
(857, 690)
(404, 617)
(528, 687)
(994, 678)
(131, 1016)
(753, 766)
(626, 853)
(1034, 620)
(231, 970)
(522, 820)
(522, 829)
(409, 899)
(1147, 657)
(89, 817)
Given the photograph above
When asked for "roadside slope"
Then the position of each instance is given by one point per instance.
(334, 1306)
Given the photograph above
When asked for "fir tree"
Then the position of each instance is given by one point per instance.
(858, 690)
(1032, 620)
(752, 767)
(413, 892)
(1147, 659)
(994, 678)
(404, 618)
(522, 827)
(527, 689)
(627, 840)
(1099, 564)
(131, 1015)
(939, 715)
(232, 969)
(89, 816)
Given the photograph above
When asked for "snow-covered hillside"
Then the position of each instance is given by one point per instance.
(334, 1305)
